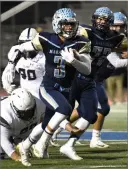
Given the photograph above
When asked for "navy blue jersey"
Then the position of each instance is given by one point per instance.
(105, 71)
(57, 70)
(101, 45)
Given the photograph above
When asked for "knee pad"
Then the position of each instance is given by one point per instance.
(105, 109)
(93, 119)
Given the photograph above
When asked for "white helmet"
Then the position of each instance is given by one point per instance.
(27, 35)
(23, 103)
(65, 16)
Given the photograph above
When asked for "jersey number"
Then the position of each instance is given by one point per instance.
(27, 73)
(101, 50)
(59, 72)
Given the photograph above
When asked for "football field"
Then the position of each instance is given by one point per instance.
(116, 156)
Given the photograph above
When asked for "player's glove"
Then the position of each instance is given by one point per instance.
(13, 54)
(67, 55)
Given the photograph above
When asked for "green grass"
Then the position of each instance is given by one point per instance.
(115, 155)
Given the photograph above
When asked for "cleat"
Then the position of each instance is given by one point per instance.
(70, 152)
(40, 153)
(98, 144)
(54, 143)
(24, 155)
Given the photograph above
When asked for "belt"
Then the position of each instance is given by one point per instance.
(61, 88)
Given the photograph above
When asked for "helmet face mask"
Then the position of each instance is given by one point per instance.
(64, 23)
(120, 22)
(68, 29)
(23, 104)
(25, 114)
(105, 14)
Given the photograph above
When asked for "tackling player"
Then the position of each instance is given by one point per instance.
(18, 117)
(31, 69)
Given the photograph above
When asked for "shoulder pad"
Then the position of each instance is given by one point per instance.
(82, 32)
(87, 27)
(124, 43)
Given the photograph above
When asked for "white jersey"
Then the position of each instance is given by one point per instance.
(31, 73)
(12, 126)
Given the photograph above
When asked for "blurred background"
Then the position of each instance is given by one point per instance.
(18, 15)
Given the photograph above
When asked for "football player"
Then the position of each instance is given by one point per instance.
(65, 52)
(109, 65)
(103, 41)
(112, 62)
(18, 117)
(31, 69)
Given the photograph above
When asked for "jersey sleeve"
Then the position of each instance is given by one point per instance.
(6, 144)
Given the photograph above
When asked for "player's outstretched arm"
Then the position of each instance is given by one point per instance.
(116, 61)
(7, 145)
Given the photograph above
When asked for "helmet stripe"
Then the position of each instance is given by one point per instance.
(28, 33)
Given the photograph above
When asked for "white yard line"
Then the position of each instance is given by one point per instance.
(107, 166)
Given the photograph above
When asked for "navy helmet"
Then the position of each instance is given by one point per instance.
(103, 13)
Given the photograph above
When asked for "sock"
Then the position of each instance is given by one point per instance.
(71, 142)
(27, 144)
(54, 137)
(95, 134)
(44, 139)
(54, 122)
(36, 133)
(34, 136)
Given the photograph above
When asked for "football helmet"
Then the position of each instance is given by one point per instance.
(120, 20)
(65, 16)
(23, 103)
(27, 35)
(103, 13)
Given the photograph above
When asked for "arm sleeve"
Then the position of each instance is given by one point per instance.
(83, 65)
(114, 59)
(6, 145)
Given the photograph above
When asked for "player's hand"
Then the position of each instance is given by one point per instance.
(15, 156)
(67, 55)
(125, 55)
(13, 53)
